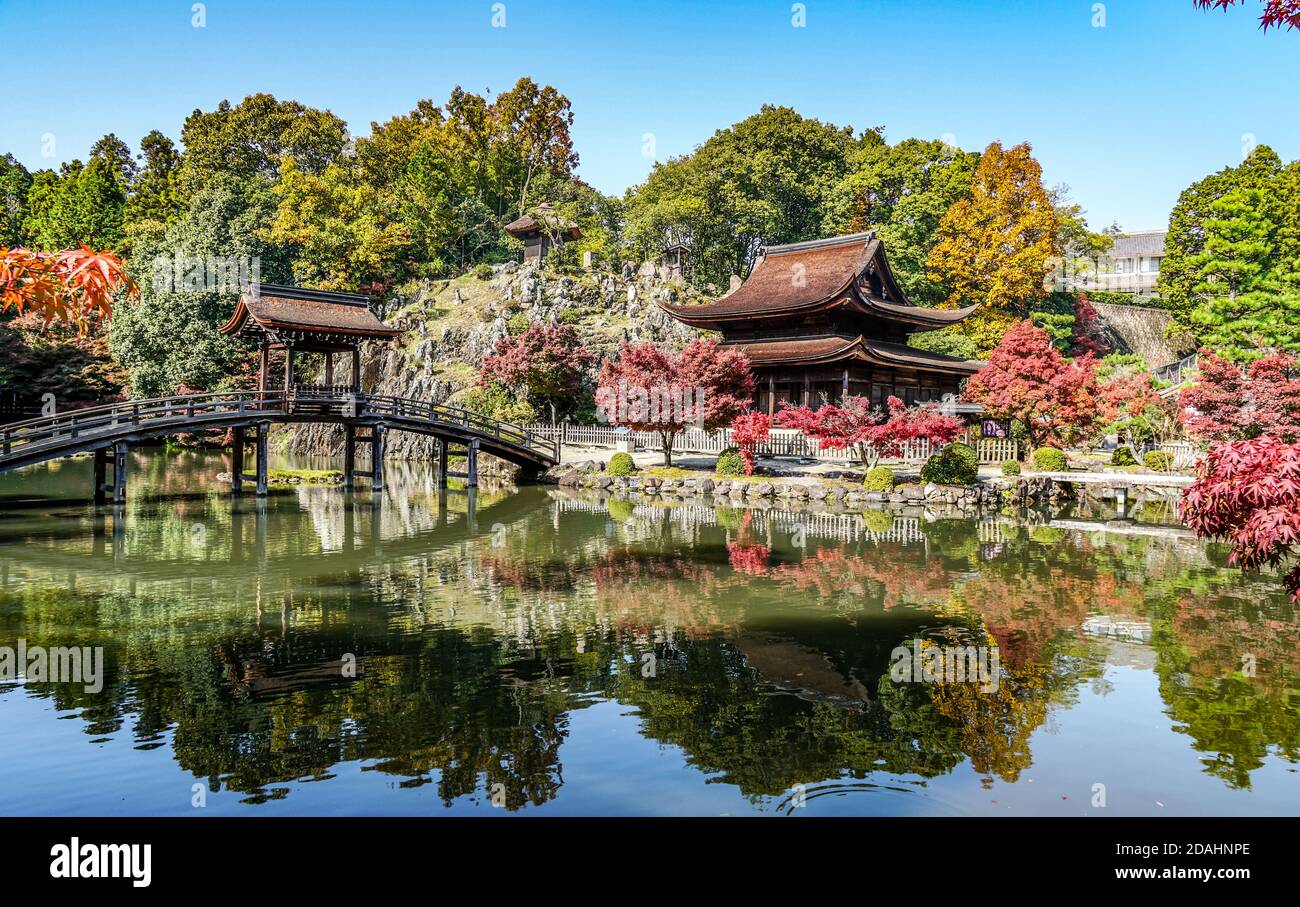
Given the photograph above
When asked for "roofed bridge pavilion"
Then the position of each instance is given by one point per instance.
(825, 319)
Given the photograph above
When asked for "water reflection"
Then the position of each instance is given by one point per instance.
(752, 646)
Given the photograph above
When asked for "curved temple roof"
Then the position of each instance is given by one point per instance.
(821, 274)
(279, 308)
(835, 348)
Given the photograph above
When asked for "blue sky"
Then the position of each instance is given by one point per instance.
(1126, 115)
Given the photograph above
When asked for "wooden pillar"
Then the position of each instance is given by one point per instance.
(442, 463)
(471, 455)
(288, 374)
(263, 369)
(119, 472)
(807, 390)
(329, 369)
(237, 462)
(771, 395)
(101, 476)
(846, 386)
(377, 458)
(356, 369)
(263, 431)
(349, 455)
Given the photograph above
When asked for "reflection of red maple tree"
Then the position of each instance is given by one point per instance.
(744, 553)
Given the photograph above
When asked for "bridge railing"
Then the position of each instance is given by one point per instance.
(91, 420)
(74, 424)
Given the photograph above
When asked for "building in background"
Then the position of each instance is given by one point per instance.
(1131, 266)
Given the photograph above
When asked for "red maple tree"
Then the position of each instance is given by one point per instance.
(1276, 12)
(73, 286)
(1028, 380)
(749, 430)
(1248, 492)
(870, 431)
(1229, 403)
(646, 389)
(547, 359)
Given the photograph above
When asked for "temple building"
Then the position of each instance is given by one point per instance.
(824, 319)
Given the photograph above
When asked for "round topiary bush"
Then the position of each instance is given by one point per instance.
(731, 463)
(1049, 459)
(1010, 467)
(1159, 460)
(621, 464)
(1122, 457)
(880, 478)
(956, 464)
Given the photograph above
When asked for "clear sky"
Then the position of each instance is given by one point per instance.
(1126, 114)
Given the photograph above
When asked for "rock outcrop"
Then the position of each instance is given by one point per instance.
(452, 325)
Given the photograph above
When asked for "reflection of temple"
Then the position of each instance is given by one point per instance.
(825, 319)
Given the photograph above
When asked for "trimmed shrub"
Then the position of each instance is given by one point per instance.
(483, 270)
(881, 478)
(1010, 468)
(731, 463)
(955, 464)
(1049, 459)
(621, 465)
(1159, 460)
(1123, 457)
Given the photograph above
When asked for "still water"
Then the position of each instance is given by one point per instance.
(545, 652)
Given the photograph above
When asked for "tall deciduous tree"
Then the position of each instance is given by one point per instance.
(764, 180)
(996, 246)
(1029, 380)
(647, 389)
(902, 192)
(82, 204)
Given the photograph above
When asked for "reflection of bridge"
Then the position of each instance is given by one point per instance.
(113, 428)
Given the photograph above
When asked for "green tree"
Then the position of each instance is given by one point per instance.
(83, 203)
(765, 180)
(902, 192)
(1185, 239)
(1241, 311)
(155, 196)
(15, 182)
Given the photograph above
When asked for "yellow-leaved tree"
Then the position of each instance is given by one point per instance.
(996, 246)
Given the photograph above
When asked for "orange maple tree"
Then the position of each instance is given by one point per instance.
(75, 286)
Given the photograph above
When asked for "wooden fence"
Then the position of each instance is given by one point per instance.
(781, 442)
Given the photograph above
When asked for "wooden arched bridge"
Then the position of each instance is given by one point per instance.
(109, 431)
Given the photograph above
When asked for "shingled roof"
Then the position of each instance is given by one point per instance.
(278, 308)
(543, 217)
(835, 348)
(824, 273)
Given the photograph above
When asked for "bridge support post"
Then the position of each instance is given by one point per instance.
(442, 463)
(349, 454)
(471, 456)
(119, 472)
(101, 476)
(237, 462)
(263, 430)
(377, 458)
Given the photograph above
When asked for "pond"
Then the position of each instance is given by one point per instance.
(537, 651)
